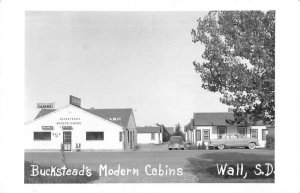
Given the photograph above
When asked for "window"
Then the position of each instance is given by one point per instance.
(264, 134)
(254, 133)
(198, 135)
(242, 131)
(121, 136)
(94, 135)
(42, 136)
(221, 131)
(152, 136)
(205, 135)
(233, 136)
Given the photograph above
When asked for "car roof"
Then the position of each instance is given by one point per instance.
(176, 136)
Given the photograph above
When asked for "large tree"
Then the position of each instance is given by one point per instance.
(239, 61)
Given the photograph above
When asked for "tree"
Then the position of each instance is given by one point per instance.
(165, 134)
(178, 131)
(239, 61)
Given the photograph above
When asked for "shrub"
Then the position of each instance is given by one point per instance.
(270, 144)
(202, 146)
(193, 147)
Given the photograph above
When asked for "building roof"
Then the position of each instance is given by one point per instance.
(204, 119)
(153, 129)
(118, 116)
(148, 129)
(44, 112)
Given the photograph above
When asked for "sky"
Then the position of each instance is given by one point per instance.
(138, 60)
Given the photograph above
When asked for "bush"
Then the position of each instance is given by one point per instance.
(193, 147)
(202, 146)
(270, 144)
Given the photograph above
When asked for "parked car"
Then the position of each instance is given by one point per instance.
(187, 145)
(233, 140)
(176, 142)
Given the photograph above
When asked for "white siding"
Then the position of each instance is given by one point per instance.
(88, 121)
(230, 129)
(261, 142)
(145, 138)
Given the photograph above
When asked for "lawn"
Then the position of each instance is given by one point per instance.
(198, 166)
(238, 167)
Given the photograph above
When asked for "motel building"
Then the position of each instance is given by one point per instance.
(79, 129)
(206, 126)
(151, 134)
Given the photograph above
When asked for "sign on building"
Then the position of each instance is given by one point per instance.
(47, 127)
(45, 105)
(75, 101)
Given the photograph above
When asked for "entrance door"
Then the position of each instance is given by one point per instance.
(221, 131)
(67, 140)
(130, 139)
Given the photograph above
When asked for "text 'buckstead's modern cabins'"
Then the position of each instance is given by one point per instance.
(206, 126)
(76, 128)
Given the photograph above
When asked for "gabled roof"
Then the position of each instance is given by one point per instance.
(44, 112)
(148, 129)
(205, 119)
(118, 116)
(153, 129)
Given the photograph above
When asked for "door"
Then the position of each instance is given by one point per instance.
(67, 140)
(221, 131)
(130, 139)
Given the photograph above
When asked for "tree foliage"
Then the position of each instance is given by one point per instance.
(178, 131)
(165, 133)
(239, 61)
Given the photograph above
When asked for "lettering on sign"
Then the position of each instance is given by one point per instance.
(115, 118)
(67, 127)
(47, 127)
(45, 105)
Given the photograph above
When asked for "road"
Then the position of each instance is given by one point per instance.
(149, 163)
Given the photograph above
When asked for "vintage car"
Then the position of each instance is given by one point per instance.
(233, 140)
(176, 142)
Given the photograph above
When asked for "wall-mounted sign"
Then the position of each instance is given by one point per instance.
(45, 105)
(67, 127)
(69, 121)
(47, 127)
(75, 101)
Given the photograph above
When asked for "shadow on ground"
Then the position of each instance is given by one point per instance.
(205, 168)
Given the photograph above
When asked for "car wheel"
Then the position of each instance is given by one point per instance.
(170, 148)
(182, 148)
(221, 146)
(251, 145)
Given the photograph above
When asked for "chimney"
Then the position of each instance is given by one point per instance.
(230, 110)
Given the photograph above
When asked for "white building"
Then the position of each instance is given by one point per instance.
(206, 126)
(151, 135)
(81, 129)
(148, 135)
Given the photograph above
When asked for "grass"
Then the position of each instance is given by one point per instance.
(40, 179)
(205, 167)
